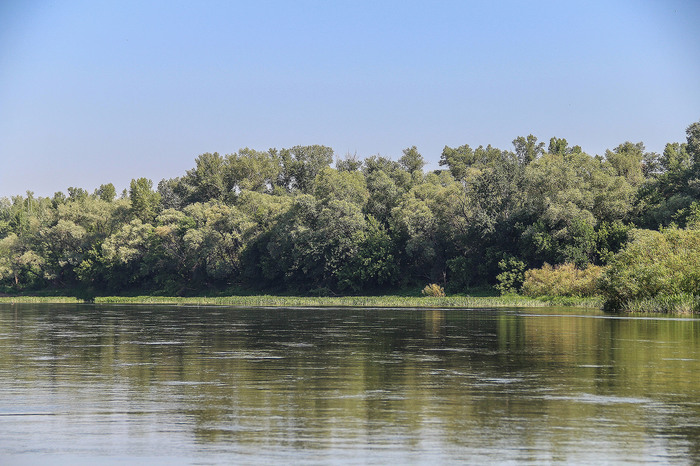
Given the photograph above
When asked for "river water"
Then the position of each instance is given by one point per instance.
(86, 384)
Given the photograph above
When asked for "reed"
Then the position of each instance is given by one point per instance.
(353, 301)
(40, 299)
(678, 303)
(325, 301)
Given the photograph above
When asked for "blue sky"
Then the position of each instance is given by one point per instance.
(94, 92)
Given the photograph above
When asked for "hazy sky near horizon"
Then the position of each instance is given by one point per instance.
(93, 92)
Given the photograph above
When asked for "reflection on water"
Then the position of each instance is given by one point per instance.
(168, 385)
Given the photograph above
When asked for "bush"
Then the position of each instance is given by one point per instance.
(562, 280)
(661, 266)
(433, 290)
(512, 275)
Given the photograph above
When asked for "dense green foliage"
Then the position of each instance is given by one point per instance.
(656, 267)
(286, 221)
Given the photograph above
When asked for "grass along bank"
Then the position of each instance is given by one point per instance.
(40, 299)
(337, 301)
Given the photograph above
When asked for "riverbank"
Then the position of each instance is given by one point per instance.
(325, 301)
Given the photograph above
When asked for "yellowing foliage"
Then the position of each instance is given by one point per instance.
(562, 280)
(433, 290)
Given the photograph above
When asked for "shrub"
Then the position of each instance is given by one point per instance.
(512, 275)
(562, 280)
(433, 290)
(656, 265)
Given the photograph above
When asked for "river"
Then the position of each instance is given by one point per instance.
(86, 384)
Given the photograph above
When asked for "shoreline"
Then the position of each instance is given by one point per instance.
(307, 301)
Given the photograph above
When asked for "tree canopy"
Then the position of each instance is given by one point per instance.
(290, 220)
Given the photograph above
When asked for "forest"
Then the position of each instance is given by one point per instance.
(534, 219)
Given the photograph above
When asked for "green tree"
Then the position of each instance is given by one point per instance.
(169, 254)
(401, 178)
(412, 161)
(341, 185)
(20, 266)
(98, 217)
(311, 246)
(77, 194)
(486, 211)
(63, 249)
(491, 189)
(693, 145)
(527, 149)
(301, 164)
(561, 147)
(458, 160)
(106, 192)
(422, 225)
(144, 201)
(350, 163)
(224, 234)
(124, 256)
(654, 265)
(626, 160)
(253, 170)
(58, 199)
(567, 196)
(512, 275)
(200, 246)
(384, 195)
(207, 180)
(172, 193)
(374, 265)
(675, 157)
(664, 198)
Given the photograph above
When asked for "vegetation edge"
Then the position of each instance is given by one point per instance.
(296, 301)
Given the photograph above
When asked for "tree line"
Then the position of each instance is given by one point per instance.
(299, 220)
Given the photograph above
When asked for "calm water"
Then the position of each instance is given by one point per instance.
(208, 385)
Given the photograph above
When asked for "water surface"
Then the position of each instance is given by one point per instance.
(81, 384)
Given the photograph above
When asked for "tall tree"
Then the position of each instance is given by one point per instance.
(301, 164)
(561, 147)
(458, 160)
(350, 163)
(144, 201)
(626, 160)
(106, 192)
(527, 149)
(693, 145)
(341, 185)
(207, 179)
(253, 170)
(412, 161)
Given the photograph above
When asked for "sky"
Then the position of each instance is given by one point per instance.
(95, 92)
